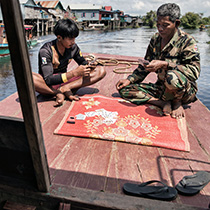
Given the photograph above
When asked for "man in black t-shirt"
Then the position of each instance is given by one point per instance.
(54, 57)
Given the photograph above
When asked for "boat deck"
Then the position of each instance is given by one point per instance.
(101, 165)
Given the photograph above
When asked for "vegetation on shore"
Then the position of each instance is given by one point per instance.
(190, 20)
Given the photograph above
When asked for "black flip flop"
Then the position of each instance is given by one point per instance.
(191, 185)
(159, 192)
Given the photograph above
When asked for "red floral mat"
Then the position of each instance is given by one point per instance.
(115, 119)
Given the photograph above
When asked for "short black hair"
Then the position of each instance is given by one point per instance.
(66, 28)
(170, 9)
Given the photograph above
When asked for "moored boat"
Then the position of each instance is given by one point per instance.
(94, 27)
(31, 43)
(4, 47)
(202, 27)
(4, 50)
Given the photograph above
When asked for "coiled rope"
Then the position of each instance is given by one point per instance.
(112, 62)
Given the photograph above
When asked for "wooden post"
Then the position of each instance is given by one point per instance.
(47, 25)
(42, 27)
(22, 70)
(38, 26)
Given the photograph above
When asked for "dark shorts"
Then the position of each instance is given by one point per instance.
(62, 84)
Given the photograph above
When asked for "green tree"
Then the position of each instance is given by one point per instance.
(150, 19)
(191, 20)
(206, 20)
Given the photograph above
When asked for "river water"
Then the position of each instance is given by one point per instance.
(130, 42)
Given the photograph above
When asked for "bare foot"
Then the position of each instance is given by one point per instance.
(167, 108)
(59, 99)
(70, 96)
(178, 111)
(165, 105)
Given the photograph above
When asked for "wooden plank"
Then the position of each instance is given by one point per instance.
(13, 134)
(150, 168)
(197, 112)
(15, 155)
(134, 164)
(198, 161)
(199, 156)
(10, 106)
(180, 164)
(64, 206)
(101, 200)
(22, 70)
(47, 110)
(17, 206)
(54, 143)
(82, 163)
(122, 166)
(87, 199)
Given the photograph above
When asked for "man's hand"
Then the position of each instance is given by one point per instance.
(154, 65)
(143, 62)
(82, 71)
(122, 83)
(92, 64)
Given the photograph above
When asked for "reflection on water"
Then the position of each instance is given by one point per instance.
(7, 80)
(130, 42)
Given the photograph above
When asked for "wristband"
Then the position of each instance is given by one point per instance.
(64, 77)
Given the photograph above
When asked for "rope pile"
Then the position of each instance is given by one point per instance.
(112, 62)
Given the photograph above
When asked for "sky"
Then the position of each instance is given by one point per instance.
(141, 7)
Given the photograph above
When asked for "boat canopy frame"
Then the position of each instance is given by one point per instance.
(23, 75)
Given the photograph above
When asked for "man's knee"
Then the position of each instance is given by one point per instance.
(175, 80)
(101, 72)
(130, 92)
(124, 92)
(36, 76)
(38, 80)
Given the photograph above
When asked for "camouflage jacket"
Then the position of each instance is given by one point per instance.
(181, 53)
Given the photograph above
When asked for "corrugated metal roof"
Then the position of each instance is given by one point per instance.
(28, 2)
(48, 4)
(85, 7)
(23, 1)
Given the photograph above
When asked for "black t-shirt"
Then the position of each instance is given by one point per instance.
(52, 64)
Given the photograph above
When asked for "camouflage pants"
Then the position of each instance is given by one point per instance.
(175, 87)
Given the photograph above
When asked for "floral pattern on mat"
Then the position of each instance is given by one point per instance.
(90, 103)
(126, 129)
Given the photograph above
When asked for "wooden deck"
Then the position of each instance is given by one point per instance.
(104, 165)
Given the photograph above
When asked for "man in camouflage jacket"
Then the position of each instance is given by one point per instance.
(174, 57)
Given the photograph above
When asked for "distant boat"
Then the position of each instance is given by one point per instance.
(94, 27)
(4, 47)
(202, 27)
(31, 43)
(4, 50)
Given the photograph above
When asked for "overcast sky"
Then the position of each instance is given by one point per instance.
(141, 7)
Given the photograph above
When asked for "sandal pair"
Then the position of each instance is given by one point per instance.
(189, 185)
(147, 190)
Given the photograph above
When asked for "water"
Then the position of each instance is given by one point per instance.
(130, 42)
